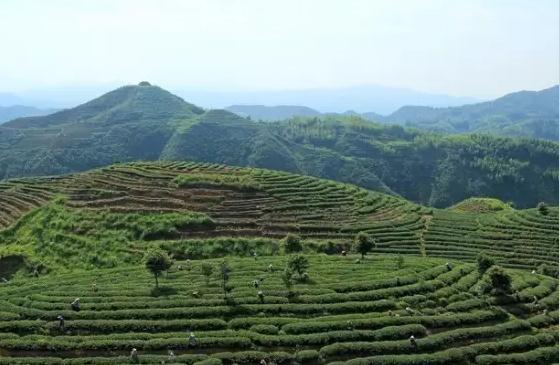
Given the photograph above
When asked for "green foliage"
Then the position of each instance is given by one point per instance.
(292, 243)
(243, 182)
(363, 243)
(342, 316)
(496, 281)
(157, 261)
(400, 262)
(484, 262)
(60, 236)
(298, 264)
(542, 208)
(207, 270)
(481, 205)
(225, 274)
(287, 278)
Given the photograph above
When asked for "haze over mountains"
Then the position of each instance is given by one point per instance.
(381, 99)
(148, 123)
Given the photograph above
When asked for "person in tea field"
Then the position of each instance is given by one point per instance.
(191, 339)
(171, 355)
(134, 356)
(413, 342)
(61, 322)
(76, 305)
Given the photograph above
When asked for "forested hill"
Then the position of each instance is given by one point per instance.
(148, 123)
(525, 113)
(142, 103)
(272, 113)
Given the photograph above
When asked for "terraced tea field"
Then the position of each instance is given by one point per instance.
(347, 312)
(110, 215)
(60, 236)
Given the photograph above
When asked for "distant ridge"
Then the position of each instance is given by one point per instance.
(272, 113)
(17, 111)
(532, 114)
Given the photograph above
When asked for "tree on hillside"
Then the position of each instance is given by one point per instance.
(225, 274)
(292, 243)
(484, 262)
(157, 261)
(287, 279)
(363, 243)
(542, 208)
(497, 281)
(298, 264)
(207, 270)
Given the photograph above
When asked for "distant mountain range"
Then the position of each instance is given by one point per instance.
(145, 122)
(381, 99)
(526, 114)
(533, 114)
(17, 111)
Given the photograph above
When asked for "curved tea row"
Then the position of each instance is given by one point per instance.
(354, 312)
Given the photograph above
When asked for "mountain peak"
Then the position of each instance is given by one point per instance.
(131, 103)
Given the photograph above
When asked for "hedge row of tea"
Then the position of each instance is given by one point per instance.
(347, 311)
(108, 217)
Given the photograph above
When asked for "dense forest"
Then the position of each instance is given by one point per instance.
(148, 123)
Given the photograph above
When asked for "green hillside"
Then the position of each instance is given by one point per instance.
(110, 216)
(533, 114)
(86, 236)
(147, 123)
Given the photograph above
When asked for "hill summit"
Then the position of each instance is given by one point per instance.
(143, 102)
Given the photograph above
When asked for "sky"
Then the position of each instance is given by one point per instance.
(477, 48)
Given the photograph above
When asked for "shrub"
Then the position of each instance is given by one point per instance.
(542, 208)
(292, 243)
(484, 262)
(266, 329)
(207, 270)
(497, 281)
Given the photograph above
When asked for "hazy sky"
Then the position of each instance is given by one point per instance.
(460, 47)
